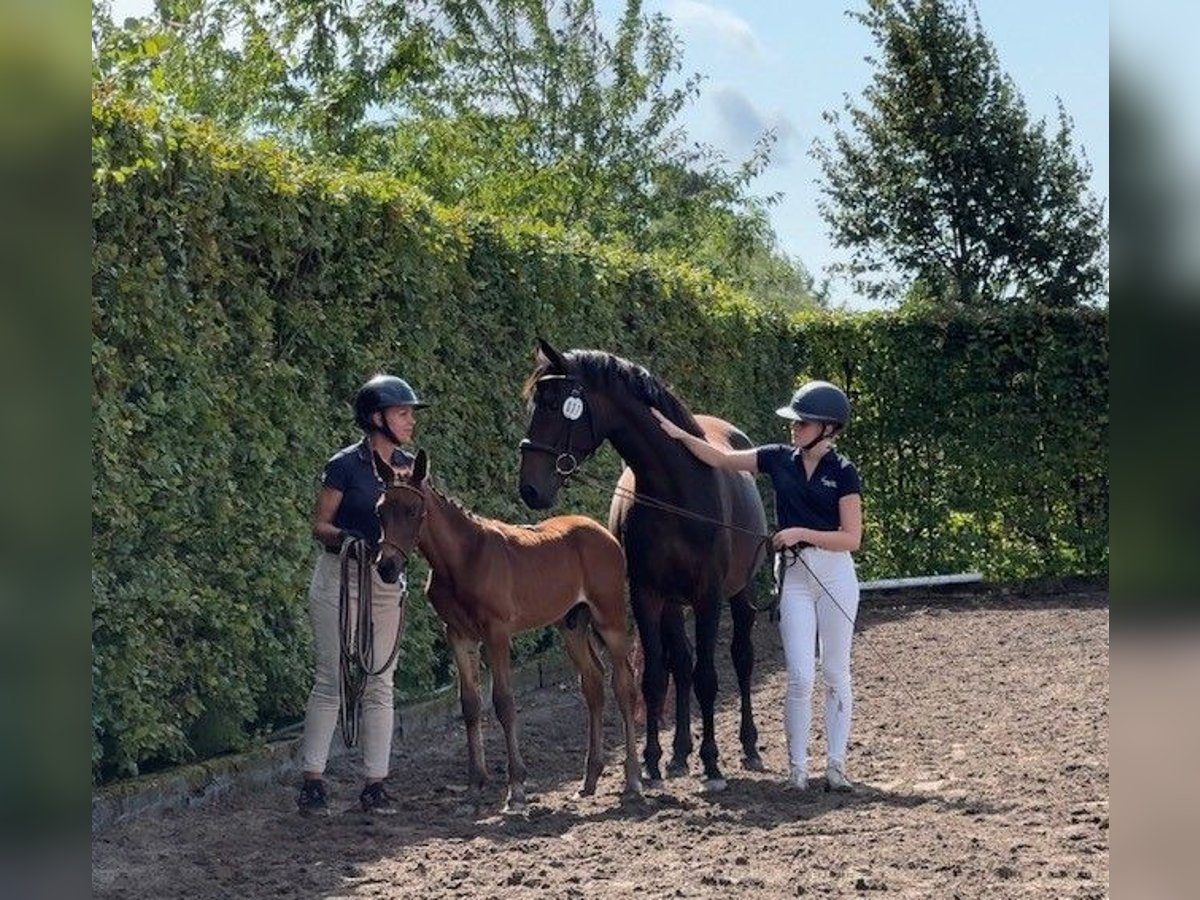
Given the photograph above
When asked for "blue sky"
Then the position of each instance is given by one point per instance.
(781, 63)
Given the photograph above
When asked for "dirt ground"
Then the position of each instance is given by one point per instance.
(980, 751)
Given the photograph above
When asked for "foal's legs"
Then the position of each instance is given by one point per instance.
(708, 618)
(506, 712)
(679, 660)
(741, 650)
(616, 641)
(466, 661)
(591, 682)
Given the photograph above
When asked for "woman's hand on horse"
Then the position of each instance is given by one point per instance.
(670, 428)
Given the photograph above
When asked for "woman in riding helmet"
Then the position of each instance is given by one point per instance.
(818, 505)
(384, 409)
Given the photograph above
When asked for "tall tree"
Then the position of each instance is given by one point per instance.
(530, 108)
(943, 187)
(309, 73)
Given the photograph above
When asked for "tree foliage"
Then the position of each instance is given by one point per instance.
(524, 108)
(941, 184)
(239, 297)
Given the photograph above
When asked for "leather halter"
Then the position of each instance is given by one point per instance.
(398, 485)
(566, 463)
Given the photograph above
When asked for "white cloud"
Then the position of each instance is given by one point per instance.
(741, 124)
(729, 29)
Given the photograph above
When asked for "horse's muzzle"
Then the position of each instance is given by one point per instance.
(533, 498)
(389, 570)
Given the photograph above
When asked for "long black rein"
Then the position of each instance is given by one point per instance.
(567, 466)
(357, 656)
(786, 555)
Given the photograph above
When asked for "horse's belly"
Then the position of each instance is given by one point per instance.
(676, 575)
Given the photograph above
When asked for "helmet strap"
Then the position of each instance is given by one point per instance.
(820, 437)
(384, 428)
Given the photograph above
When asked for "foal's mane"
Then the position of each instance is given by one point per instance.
(606, 372)
(454, 502)
(476, 519)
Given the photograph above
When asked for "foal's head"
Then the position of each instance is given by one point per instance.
(401, 512)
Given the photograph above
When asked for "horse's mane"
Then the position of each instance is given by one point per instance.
(605, 371)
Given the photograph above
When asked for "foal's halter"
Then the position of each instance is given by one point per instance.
(402, 486)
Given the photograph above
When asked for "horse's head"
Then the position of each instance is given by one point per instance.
(401, 512)
(562, 429)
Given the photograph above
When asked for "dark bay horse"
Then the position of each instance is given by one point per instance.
(582, 398)
(488, 581)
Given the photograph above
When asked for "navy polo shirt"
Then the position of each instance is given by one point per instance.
(352, 471)
(808, 502)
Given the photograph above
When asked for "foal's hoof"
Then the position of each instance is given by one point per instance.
(516, 808)
(753, 763)
(713, 785)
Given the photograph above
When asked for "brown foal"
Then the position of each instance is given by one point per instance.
(489, 581)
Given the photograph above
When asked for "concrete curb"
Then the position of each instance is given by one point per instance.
(200, 783)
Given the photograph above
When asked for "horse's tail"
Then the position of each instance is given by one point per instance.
(580, 616)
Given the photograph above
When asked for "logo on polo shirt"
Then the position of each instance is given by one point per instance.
(829, 482)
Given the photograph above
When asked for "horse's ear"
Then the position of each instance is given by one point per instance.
(420, 469)
(548, 357)
(385, 472)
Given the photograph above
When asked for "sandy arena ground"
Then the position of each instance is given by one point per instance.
(980, 751)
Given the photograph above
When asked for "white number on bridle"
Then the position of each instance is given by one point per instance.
(572, 408)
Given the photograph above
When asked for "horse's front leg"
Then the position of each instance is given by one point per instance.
(708, 619)
(466, 661)
(647, 612)
(741, 650)
(499, 658)
(679, 660)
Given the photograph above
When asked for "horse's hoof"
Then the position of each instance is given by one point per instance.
(677, 770)
(516, 808)
(654, 784)
(714, 785)
(753, 763)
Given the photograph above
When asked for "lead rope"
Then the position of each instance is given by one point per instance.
(786, 555)
(357, 639)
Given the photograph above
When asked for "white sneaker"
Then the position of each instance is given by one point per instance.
(835, 777)
(797, 780)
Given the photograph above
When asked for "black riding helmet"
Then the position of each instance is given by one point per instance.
(381, 392)
(818, 401)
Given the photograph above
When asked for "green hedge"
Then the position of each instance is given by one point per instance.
(239, 299)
